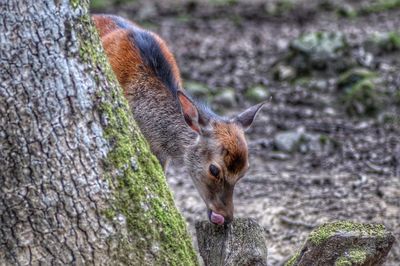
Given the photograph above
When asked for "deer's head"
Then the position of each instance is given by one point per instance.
(219, 156)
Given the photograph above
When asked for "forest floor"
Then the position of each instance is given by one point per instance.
(319, 150)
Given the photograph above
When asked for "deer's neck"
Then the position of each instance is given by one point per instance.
(161, 122)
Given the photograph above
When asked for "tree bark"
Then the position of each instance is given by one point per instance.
(242, 243)
(78, 184)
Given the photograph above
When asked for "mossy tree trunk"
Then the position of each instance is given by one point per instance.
(78, 184)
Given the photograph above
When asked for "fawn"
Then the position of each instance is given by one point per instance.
(213, 148)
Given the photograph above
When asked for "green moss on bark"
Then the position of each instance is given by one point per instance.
(143, 199)
(293, 259)
(326, 231)
(150, 228)
(75, 3)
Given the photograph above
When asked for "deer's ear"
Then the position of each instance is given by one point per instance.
(246, 118)
(193, 118)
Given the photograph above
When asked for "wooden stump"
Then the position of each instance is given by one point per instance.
(240, 243)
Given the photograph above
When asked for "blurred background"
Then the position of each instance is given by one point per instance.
(327, 145)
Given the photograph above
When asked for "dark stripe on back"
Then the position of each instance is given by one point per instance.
(150, 53)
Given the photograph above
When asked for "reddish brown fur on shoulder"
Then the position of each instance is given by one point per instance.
(104, 24)
(231, 137)
(170, 58)
(123, 56)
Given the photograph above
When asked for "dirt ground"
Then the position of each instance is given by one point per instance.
(236, 45)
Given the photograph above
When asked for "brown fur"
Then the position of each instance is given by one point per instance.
(122, 53)
(234, 147)
(104, 24)
(170, 58)
(174, 126)
(123, 56)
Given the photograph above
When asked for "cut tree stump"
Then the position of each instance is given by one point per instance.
(345, 244)
(240, 243)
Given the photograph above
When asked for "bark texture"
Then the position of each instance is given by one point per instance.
(343, 244)
(78, 184)
(241, 243)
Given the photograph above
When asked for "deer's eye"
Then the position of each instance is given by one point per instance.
(214, 170)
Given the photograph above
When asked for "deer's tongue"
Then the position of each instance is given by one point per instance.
(217, 218)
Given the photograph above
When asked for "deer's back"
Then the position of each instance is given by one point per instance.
(149, 75)
(134, 52)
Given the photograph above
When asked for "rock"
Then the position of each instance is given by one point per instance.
(226, 98)
(361, 99)
(388, 118)
(299, 140)
(320, 46)
(347, 10)
(240, 243)
(345, 243)
(288, 141)
(320, 84)
(256, 94)
(315, 143)
(284, 72)
(279, 156)
(282, 44)
(320, 51)
(383, 42)
(329, 111)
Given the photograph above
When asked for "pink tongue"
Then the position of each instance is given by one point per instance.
(217, 218)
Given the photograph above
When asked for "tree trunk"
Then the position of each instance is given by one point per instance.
(78, 184)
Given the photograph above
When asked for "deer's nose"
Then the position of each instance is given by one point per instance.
(228, 219)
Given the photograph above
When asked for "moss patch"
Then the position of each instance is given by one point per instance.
(280, 7)
(318, 51)
(397, 97)
(361, 99)
(383, 42)
(393, 41)
(293, 259)
(353, 76)
(75, 3)
(150, 228)
(326, 231)
(358, 255)
(354, 256)
(222, 2)
(380, 6)
(256, 94)
(359, 93)
(142, 196)
(347, 10)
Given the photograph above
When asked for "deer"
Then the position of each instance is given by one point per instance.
(177, 127)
